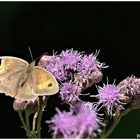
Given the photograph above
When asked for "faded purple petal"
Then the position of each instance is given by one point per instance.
(69, 92)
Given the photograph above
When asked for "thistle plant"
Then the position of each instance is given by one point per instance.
(75, 72)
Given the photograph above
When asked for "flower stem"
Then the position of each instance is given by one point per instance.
(27, 119)
(42, 104)
(34, 121)
(23, 123)
(116, 121)
(39, 118)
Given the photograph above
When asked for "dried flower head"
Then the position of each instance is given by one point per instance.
(20, 105)
(85, 81)
(129, 90)
(129, 86)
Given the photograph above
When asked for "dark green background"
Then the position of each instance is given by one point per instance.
(114, 28)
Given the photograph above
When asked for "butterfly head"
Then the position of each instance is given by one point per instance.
(31, 67)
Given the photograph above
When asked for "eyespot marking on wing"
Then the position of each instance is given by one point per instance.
(50, 85)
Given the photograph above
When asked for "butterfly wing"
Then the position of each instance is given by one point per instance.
(44, 82)
(26, 92)
(10, 65)
(11, 70)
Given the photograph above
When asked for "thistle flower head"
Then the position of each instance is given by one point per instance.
(87, 120)
(109, 97)
(89, 70)
(76, 125)
(82, 70)
(129, 86)
(70, 59)
(88, 80)
(129, 90)
(89, 63)
(69, 92)
(20, 105)
(44, 60)
(63, 124)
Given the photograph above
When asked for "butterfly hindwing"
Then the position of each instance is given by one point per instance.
(26, 91)
(44, 82)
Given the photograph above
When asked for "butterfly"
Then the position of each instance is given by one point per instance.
(25, 81)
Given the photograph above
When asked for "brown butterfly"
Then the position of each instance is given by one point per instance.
(25, 81)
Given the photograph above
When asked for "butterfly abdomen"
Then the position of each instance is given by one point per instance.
(26, 74)
(23, 79)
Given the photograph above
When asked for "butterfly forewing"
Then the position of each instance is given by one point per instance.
(11, 70)
(10, 65)
(44, 82)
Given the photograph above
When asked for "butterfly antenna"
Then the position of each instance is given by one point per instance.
(37, 57)
(31, 54)
(41, 56)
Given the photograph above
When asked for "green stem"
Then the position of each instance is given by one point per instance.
(34, 121)
(27, 119)
(39, 118)
(42, 104)
(23, 123)
(22, 120)
(116, 121)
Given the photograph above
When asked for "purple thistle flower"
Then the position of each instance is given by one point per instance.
(129, 86)
(76, 125)
(109, 97)
(87, 120)
(64, 124)
(69, 92)
(89, 71)
(70, 59)
(89, 63)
